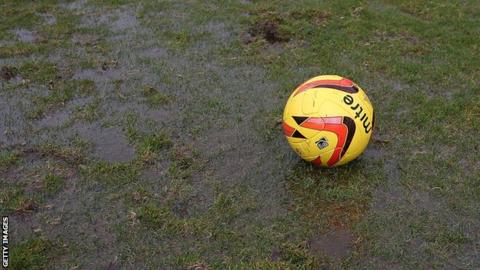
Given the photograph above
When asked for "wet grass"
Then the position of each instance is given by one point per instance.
(7, 159)
(115, 174)
(154, 98)
(61, 92)
(197, 90)
(89, 112)
(38, 72)
(29, 188)
(35, 253)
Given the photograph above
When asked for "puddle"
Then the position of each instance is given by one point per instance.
(158, 116)
(75, 211)
(75, 5)
(12, 122)
(218, 30)
(98, 76)
(110, 143)
(55, 119)
(385, 197)
(399, 86)
(85, 39)
(125, 21)
(117, 20)
(48, 18)
(373, 153)
(273, 50)
(155, 53)
(25, 35)
(336, 244)
(220, 101)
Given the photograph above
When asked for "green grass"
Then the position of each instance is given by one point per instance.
(154, 98)
(28, 187)
(38, 72)
(7, 159)
(89, 112)
(71, 155)
(32, 254)
(61, 92)
(21, 49)
(154, 142)
(20, 198)
(198, 89)
(53, 183)
(117, 174)
(14, 198)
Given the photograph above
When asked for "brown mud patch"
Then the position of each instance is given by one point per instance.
(7, 72)
(268, 29)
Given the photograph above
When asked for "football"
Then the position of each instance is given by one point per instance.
(328, 120)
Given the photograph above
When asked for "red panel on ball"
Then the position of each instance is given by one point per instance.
(287, 130)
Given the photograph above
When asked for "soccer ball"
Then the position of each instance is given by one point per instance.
(328, 120)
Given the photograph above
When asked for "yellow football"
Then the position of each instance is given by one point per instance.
(328, 120)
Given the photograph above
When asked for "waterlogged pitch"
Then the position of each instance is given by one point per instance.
(148, 134)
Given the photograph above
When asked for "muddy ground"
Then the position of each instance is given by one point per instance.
(145, 135)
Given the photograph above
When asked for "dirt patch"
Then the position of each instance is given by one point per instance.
(336, 244)
(7, 72)
(268, 29)
(106, 65)
(410, 38)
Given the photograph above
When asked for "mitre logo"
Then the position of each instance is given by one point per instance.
(367, 125)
